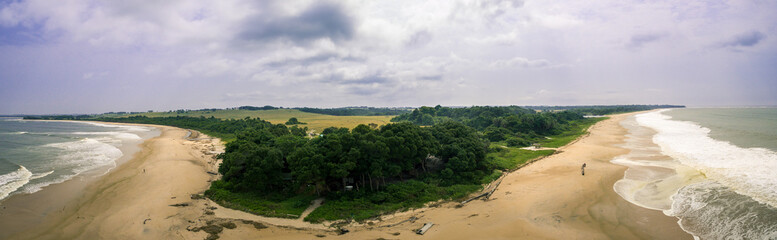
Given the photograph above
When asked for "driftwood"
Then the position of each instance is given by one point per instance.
(494, 189)
(411, 219)
(425, 228)
(488, 190)
(475, 197)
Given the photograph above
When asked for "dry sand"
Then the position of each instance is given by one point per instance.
(548, 199)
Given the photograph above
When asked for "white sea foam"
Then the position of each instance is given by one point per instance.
(13, 133)
(86, 154)
(77, 157)
(651, 178)
(119, 135)
(123, 127)
(14, 180)
(651, 184)
(40, 175)
(31, 188)
(710, 210)
(748, 171)
(12, 119)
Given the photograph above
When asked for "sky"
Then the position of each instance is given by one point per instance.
(91, 56)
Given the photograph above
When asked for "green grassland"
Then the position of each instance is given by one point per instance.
(259, 204)
(399, 196)
(510, 157)
(577, 129)
(316, 122)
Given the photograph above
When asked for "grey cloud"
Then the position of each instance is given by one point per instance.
(521, 62)
(339, 79)
(324, 20)
(637, 41)
(419, 38)
(368, 85)
(515, 3)
(745, 40)
(431, 77)
(376, 78)
(363, 91)
(323, 57)
(496, 8)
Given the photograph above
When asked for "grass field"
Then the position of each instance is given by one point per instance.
(509, 157)
(270, 206)
(577, 129)
(315, 121)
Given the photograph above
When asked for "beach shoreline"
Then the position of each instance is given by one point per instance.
(131, 201)
(548, 199)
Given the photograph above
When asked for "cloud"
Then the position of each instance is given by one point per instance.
(388, 53)
(748, 39)
(368, 80)
(91, 75)
(520, 62)
(419, 38)
(490, 9)
(639, 40)
(317, 58)
(431, 77)
(323, 20)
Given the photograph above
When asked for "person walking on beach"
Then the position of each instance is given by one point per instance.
(582, 169)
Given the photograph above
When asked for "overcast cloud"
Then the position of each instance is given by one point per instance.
(87, 56)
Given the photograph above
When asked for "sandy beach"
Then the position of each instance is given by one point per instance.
(548, 199)
(130, 202)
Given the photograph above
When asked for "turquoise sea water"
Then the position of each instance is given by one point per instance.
(35, 154)
(713, 169)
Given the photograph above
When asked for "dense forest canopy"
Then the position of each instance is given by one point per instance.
(365, 158)
(520, 125)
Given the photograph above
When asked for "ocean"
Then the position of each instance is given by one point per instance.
(36, 154)
(715, 169)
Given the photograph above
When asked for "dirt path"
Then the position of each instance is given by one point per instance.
(316, 203)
